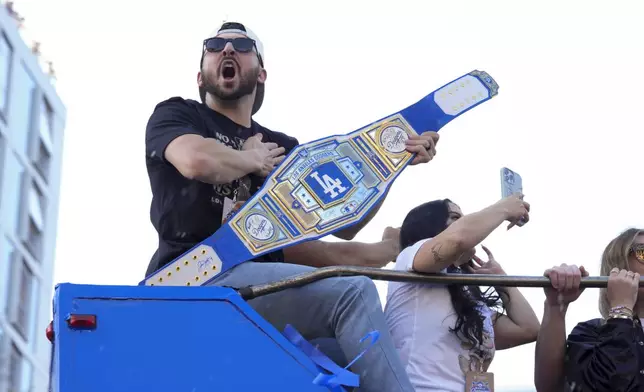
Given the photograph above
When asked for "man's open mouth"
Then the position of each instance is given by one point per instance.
(228, 70)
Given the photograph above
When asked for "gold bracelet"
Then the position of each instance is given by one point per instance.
(625, 313)
(619, 316)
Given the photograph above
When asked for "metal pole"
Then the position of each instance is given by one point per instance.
(251, 292)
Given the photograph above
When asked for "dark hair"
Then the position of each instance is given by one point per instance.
(427, 221)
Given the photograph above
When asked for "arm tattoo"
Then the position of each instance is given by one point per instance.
(436, 253)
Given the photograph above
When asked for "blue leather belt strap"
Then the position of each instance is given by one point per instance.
(324, 186)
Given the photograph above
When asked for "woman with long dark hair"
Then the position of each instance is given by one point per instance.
(446, 335)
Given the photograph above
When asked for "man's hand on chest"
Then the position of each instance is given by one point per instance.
(269, 154)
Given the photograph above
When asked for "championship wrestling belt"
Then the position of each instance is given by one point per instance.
(324, 186)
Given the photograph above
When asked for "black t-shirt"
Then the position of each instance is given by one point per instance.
(185, 212)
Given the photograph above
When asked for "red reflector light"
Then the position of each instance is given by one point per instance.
(81, 321)
(50, 332)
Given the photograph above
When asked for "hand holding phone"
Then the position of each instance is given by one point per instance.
(511, 183)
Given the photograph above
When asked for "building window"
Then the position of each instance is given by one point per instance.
(23, 89)
(4, 358)
(12, 184)
(26, 378)
(34, 226)
(3, 148)
(22, 301)
(19, 371)
(6, 249)
(5, 68)
(43, 151)
(15, 367)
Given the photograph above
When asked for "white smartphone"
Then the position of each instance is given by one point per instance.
(511, 183)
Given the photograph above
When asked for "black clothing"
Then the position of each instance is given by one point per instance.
(606, 355)
(185, 212)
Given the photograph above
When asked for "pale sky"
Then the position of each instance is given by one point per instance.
(566, 118)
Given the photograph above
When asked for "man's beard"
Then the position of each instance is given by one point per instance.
(247, 84)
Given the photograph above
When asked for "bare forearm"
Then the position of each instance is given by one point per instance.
(325, 254)
(472, 229)
(377, 254)
(218, 164)
(550, 350)
(459, 237)
(521, 314)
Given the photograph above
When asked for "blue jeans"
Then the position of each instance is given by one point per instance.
(343, 308)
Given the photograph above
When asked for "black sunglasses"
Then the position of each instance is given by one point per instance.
(638, 251)
(241, 44)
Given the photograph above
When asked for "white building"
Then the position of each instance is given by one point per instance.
(32, 119)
